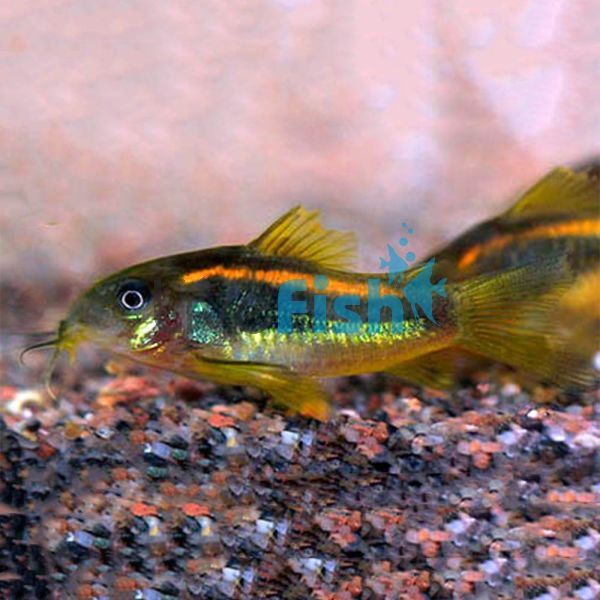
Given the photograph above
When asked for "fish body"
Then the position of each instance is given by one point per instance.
(224, 303)
(286, 309)
(216, 314)
(560, 214)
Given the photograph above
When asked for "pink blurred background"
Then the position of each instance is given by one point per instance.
(139, 128)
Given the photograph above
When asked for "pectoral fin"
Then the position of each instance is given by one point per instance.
(293, 391)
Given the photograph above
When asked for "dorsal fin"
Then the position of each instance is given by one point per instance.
(299, 234)
(560, 192)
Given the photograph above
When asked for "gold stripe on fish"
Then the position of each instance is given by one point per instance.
(588, 227)
(278, 277)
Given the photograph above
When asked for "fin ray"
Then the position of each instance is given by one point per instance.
(440, 370)
(560, 192)
(435, 370)
(512, 317)
(299, 234)
(300, 394)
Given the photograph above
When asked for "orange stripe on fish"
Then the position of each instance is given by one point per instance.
(588, 227)
(470, 256)
(278, 277)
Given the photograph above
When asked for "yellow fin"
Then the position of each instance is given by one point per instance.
(511, 317)
(299, 234)
(300, 394)
(435, 370)
(439, 370)
(579, 312)
(560, 192)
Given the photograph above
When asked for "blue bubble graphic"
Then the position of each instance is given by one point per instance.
(320, 282)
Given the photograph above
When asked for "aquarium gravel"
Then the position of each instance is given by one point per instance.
(142, 486)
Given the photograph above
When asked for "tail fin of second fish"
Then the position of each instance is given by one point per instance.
(513, 317)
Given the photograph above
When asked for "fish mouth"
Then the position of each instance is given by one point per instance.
(69, 337)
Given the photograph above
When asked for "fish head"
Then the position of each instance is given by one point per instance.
(128, 313)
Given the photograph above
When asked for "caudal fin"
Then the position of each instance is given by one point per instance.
(513, 317)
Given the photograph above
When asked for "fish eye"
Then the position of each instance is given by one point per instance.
(134, 295)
